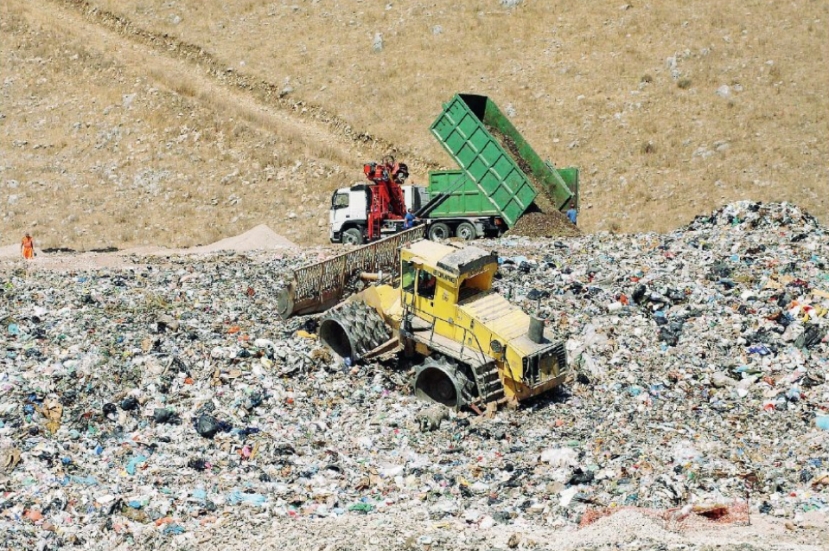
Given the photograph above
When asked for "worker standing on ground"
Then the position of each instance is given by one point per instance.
(27, 247)
(572, 213)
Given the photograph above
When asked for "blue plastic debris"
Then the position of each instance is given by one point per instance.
(134, 463)
(173, 530)
(760, 349)
(235, 497)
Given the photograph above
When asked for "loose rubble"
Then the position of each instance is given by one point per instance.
(158, 405)
(543, 224)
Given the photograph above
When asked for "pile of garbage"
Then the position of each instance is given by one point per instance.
(154, 405)
(543, 224)
(700, 358)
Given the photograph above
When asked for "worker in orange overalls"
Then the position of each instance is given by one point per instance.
(27, 247)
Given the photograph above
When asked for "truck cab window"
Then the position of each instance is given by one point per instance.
(340, 200)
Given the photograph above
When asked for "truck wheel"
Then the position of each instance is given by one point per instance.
(353, 236)
(439, 231)
(466, 231)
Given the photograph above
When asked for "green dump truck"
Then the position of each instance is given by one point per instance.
(499, 178)
(495, 156)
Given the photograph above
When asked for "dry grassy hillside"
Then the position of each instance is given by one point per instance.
(181, 121)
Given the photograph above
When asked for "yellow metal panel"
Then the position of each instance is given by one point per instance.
(490, 307)
(383, 298)
(514, 367)
(519, 321)
(514, 389)
(429, 251)
(511, 325)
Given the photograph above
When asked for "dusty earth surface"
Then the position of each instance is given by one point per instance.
(624, 530)
(261, 238)
(143, 122)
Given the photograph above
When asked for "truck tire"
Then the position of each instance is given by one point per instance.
(438, 231)
(352, 236)
(466, 231)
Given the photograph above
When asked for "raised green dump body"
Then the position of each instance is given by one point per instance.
(469, 200)
(498, 160)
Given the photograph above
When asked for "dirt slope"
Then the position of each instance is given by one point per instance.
(182, 122)
(133, 147)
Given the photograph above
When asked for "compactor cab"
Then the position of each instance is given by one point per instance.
(470, 343)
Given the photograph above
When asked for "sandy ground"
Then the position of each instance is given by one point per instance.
(624, 530)
(260, 238)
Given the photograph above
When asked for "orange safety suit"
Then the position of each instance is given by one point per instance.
(28, 247)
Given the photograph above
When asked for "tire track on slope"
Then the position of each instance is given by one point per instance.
(206, 70)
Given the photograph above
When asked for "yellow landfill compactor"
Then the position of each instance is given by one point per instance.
(476, 347)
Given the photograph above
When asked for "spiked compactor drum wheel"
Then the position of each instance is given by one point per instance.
(353, 330)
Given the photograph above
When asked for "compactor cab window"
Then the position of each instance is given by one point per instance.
(426, 284)
(340, 200)
(408, 277)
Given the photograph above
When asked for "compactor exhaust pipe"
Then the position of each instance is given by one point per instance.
(536, 331)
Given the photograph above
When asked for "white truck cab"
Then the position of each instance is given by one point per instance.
(348, 217)
(349, 212)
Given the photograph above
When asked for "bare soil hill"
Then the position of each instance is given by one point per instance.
(182, 122)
